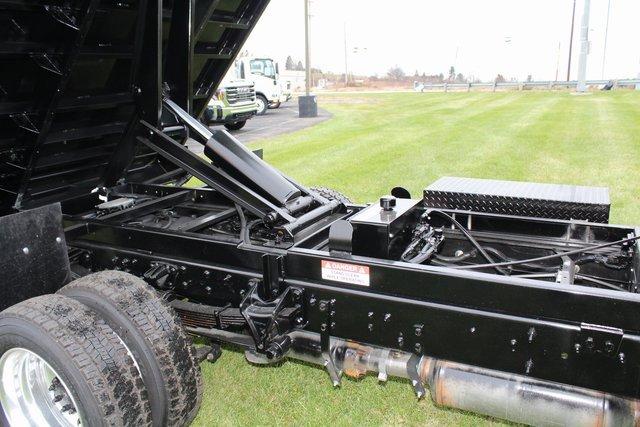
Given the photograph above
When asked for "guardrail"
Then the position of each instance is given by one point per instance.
(549, 85)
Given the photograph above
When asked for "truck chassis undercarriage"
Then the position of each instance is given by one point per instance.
(527, 316)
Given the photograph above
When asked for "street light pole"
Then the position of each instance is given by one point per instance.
(606, 36)
(558, 61)
(346, 68)
(573, 22)
(307, 104)
(584, 48)
(306, 48)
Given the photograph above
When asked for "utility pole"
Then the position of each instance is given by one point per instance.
(584, 47)
(573, 21)
(346, 68)
(306, 48)
(558, 61)
(606, 36)
(307, 104)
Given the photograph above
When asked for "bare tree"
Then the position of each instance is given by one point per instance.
(395, 73)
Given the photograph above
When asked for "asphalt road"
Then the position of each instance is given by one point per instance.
(275, 122)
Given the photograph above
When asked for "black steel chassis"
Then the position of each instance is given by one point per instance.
(569, 334)
(258, 294)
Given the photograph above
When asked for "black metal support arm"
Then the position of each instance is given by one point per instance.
(211, 175)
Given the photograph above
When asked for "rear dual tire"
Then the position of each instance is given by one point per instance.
(61, 364)
(151, 330)
(105, 351)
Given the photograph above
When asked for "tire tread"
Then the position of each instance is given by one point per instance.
(96, 351)
(161, 326)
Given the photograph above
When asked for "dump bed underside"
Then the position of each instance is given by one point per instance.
(75, 76)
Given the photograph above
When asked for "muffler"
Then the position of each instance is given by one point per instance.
(497, 394)
(522, 399)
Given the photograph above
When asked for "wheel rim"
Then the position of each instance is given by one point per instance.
(261, 105)
(33, 394)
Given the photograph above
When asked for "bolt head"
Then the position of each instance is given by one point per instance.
(608, 346)
(25, 250)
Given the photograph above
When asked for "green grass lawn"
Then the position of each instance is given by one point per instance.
(376, 142)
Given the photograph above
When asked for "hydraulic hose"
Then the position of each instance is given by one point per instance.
(472, 240)
(547, 257)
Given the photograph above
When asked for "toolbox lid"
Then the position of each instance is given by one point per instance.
(520, 198)
(75, 75)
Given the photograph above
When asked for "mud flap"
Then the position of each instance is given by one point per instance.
(33, 254)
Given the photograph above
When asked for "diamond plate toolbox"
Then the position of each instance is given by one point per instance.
(520, 199)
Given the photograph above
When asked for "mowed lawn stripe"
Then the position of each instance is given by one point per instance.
(385, 133)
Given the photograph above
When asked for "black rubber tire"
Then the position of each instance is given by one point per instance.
(153, 333)
(235, 125)
(331, 194)
(264, 106)
(85, 352)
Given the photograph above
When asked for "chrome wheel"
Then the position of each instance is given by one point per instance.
(33, 394)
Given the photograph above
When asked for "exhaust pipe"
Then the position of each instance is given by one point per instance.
(498, 394)
(522, 399)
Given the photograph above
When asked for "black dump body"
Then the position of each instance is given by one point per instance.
(75, 76)
(97, 99)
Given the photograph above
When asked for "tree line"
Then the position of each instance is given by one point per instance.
(396, 73)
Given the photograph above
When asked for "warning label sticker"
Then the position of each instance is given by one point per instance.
(345, 273)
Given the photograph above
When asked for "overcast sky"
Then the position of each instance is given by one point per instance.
(424, 35)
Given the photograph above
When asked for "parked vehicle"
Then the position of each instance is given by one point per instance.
(233, 103)
(514, 300)
(264, 72)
